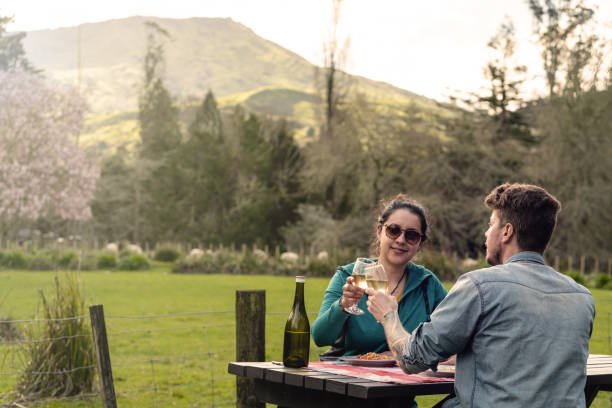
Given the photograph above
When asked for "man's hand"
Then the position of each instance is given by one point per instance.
(351, 293)
(379, 303)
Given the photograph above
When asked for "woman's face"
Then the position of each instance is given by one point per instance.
(397, 251)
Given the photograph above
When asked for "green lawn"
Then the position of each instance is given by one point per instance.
(181, 361)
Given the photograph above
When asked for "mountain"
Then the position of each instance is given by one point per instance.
(201, 54)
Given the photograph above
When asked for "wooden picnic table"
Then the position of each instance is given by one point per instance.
(302, 387)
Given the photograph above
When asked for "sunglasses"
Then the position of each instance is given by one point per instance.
(393, 231)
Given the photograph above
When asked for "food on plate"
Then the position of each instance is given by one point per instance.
(373, 356)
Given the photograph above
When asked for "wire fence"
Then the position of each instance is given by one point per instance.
(177, 359)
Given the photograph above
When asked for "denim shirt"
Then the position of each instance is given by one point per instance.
(521, 333)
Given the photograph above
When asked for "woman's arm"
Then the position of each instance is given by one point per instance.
(331, 318)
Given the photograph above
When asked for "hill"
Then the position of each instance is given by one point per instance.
(201, 54)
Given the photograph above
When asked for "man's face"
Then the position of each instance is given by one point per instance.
(493, 242)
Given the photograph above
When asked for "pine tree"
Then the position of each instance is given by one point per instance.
(205, 165)
(156, 168)
(12, 54)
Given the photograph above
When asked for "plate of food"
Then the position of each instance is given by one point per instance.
(370, 360)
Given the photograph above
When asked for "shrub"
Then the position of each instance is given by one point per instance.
(439, 264)
(15, 260)
(601, 280)
(68, 260)
(166, 255)
(576, 276)
(321, 267)
(88, 263)
(106, 261)
(134, 262)
(63, 366)
(229, 262)
(8, 329)
(41, 262)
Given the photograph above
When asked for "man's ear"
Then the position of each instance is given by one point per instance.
(507, 233)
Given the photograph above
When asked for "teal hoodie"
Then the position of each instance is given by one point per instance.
(364, 334)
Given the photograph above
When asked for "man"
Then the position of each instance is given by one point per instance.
(520, 329)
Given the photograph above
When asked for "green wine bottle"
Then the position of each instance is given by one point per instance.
(296, 348)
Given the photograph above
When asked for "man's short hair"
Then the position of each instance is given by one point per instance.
(530, 209)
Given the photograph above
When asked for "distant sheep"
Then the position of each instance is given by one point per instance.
(289, 257)
(112, 247)
(468, 262)
(322, 256)
(261, 254)
(196, 253)
(135, 249)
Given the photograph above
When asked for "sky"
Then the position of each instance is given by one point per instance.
(432, 47)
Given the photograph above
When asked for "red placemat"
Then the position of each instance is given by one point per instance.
(382, 374)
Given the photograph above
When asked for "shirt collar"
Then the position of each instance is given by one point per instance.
(526, 256)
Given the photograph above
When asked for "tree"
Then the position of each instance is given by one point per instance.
(574, 125)
(575, 165)
(558, 27)
(158, 186)
(42, 171)
(12, 54)
(205, 166)
(334, 82)
(327, 179)
(505, 78)
(159, 126)
(114, 208)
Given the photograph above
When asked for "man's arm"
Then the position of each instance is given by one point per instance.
(449, 331)
(397, 339)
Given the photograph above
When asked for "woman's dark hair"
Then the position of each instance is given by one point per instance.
(401, 202)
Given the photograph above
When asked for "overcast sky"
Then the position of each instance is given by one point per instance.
(428, 47)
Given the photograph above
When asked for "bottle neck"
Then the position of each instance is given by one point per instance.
(299, 294)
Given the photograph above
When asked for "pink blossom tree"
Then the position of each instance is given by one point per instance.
(43, 172)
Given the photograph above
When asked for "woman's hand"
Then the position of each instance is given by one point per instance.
(379, 303)
(351, 293)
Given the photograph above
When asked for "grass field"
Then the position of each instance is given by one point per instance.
(180, 360)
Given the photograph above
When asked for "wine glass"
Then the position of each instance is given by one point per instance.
(376, 278)
(359, 277)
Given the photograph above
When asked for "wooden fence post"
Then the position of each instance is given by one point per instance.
(556, 265)
(103, 363)
(582, 264)
(250, 340)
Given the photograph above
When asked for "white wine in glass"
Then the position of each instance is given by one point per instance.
(360, 280)
(380, 285)
(376, 278)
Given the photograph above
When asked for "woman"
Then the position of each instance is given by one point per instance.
(401, 230)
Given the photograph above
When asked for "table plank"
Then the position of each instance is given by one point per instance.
(257, 369)
(297, 378)
(318, 382)
(378, 389)
(340, 385)
(277, 374)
